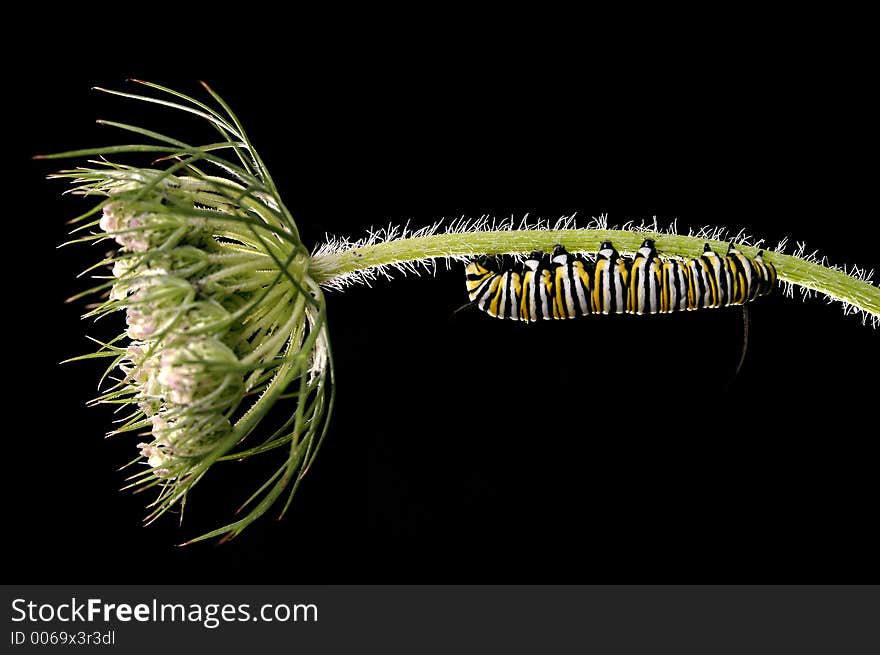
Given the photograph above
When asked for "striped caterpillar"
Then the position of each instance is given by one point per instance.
(567, 286)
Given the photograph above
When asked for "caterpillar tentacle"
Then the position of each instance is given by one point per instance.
(565, 286)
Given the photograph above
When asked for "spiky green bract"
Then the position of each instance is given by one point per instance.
(223, 317)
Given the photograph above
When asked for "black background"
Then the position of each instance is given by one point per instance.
(463, 449)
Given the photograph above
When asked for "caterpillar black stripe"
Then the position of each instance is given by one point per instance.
(567, 286)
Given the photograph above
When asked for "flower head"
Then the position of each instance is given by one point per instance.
(221, 314)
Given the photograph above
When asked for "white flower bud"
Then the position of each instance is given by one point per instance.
(149, 407)
(129, 230)
(183, 436)
(119, 291)
(141, 325)
(110, 217)
(124, 266)
(192, 369)
(157, 453)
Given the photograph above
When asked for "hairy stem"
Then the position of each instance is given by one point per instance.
(836, 284)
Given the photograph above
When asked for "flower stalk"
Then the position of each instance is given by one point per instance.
(336, 265)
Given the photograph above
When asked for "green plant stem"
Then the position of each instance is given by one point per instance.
(862, 295)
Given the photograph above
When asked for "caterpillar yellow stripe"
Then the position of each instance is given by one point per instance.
(568, 286)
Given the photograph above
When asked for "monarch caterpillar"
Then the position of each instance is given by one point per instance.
(567, 286)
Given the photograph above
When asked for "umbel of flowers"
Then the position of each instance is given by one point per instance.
(222, 318)
(214, 316)
(182, 367)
